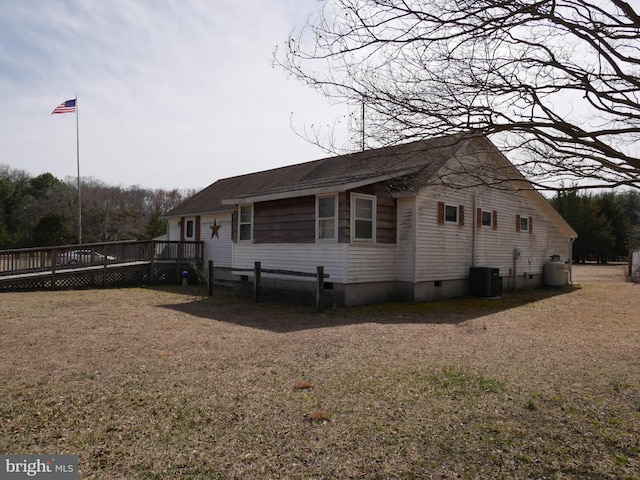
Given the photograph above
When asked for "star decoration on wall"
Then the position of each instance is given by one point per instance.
(214, 228)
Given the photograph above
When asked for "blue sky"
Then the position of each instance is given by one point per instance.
(171, 94)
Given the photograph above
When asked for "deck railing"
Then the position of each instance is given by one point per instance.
(44, 259)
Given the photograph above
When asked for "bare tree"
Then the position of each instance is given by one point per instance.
(555, 83)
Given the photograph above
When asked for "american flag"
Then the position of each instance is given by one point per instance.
(66, 107)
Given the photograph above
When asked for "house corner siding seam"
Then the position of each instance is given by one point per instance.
(415, 243)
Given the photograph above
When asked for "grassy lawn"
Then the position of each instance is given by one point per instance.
(167, 383)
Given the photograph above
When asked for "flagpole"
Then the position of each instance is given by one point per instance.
(78, 163)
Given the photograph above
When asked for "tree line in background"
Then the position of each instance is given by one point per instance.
(607, 224)
(43, 211)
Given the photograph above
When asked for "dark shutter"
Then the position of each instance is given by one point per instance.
(495, 220)
(517, 223)
(440, 213)
(234, 226)
(461, 215)
(479, 218)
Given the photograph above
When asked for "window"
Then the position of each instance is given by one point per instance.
(524, 224)
(189, 230)
(245, 225)
(327, 214)
(450, 214)
(487, 218)
(363, 217)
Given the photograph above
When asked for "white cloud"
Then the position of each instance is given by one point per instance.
(170, 94)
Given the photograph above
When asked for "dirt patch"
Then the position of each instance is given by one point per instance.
(150, 383)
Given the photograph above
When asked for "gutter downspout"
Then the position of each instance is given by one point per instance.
(415, 245)
(474, 239)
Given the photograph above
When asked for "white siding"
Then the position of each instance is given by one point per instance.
(446, 252)
(405, 259)
(298, 257)
(443, 252)
(495, 248)
(173, 230)
(365, 262)
(217, 248)
(371, 262)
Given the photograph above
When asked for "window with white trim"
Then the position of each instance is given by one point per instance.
(245, 223)
(487, 218)
(451, 214)
(363, 217)
(327, 217)
(524, 224)
(189, 233)
(448, 213)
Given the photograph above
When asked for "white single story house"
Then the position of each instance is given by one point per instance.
(411, 222)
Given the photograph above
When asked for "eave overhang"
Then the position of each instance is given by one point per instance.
(330, 187)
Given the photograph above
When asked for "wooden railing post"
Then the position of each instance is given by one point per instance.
(152, 262)
(319, 289)
(210, 278)
(256, 282)
(104, 269)
(179, 256)
(54, 262)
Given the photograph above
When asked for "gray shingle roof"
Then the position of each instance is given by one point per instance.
(418, 161)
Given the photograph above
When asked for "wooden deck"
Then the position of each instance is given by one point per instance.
(97, 265)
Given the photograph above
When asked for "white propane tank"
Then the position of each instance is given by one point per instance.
(555, 272)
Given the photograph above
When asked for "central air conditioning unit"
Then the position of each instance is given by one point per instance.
(485, 281)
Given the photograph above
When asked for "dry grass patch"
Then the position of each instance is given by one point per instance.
(156, 384)
(303, 385)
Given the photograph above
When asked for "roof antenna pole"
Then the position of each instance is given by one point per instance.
(362, 132)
